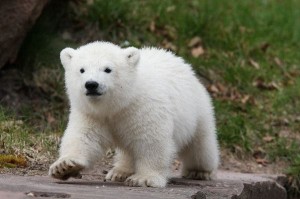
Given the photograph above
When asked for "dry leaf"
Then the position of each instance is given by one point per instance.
(197, 52)
(259, 83)
(278, 62)
(261, 161)
(169, 45)
(281, 122)
(228, 93)
(50, 118)
(171, 8)
(268, 138)
(170, 32)
(259, 153)
(284, 133)
(254, 63)
(213, 89)
(196, 41)
(245, 99)
(221, 87)
(273, 85)
(152, 26)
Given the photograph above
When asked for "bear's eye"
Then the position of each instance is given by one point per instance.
(107, 70)
(82, 70)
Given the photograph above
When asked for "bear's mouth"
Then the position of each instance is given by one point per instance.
(93, 94)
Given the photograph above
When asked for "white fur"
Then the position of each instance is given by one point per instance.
(152, 107)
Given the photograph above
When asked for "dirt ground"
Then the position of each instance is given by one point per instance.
(229, 162)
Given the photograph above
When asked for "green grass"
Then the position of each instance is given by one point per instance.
(23, 141)
(234, 34)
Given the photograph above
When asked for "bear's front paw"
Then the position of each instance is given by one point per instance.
(198, 175)
(146, 181)
(118, 174)
(65, 168)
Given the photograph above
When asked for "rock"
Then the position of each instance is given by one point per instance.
(11, 195)
(262, 190)
(16, 19)
(228, 185)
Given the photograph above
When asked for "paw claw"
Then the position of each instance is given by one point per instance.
(198, 175)
(117, 174)
(146, 181)
(65, 168)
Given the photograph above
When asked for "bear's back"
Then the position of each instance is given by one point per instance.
(163, 69)
(161, 61)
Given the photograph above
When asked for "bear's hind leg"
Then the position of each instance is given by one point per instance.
(201, 157)
(123, 167)
(153, 162)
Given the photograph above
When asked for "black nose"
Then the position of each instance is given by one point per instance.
(91, 85)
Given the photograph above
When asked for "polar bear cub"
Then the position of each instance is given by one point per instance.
(147, 103)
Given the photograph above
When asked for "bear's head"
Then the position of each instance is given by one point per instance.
(99, 72)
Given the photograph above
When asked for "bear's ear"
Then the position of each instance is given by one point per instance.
(66, 56)
(132, 55)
